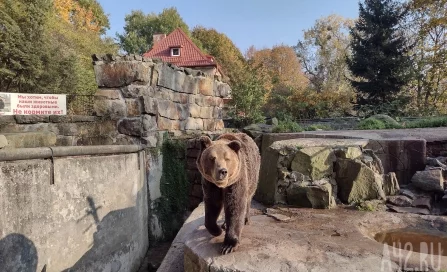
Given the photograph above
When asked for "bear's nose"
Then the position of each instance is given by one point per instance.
(222, 173)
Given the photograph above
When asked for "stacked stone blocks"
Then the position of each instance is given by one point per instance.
(146, 96)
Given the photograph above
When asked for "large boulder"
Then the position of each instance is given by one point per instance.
(429, 180)
(357, 182)
(315, 162)
(317, 196)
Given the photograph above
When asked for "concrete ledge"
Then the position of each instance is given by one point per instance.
(63, 151)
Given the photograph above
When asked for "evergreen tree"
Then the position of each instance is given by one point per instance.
(379, 60)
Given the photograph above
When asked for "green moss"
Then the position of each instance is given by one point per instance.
(171, 207)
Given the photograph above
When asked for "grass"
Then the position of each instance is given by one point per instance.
(287, 126)
(317, 127)
(373, 123)
(428, 122)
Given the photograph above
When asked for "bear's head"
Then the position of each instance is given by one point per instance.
(219, 161)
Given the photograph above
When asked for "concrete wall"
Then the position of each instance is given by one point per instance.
(73, 213)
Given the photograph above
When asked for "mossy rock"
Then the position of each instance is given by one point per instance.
(315, 162)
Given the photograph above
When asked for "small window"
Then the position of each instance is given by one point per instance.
(175, 52)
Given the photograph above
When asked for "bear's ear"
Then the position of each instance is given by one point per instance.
(205, 142)
(235, 145)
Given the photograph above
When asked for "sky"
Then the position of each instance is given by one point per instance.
(262, 23)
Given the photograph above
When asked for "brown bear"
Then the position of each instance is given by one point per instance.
(230, 170)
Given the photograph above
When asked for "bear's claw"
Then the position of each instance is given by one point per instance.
(226, 249)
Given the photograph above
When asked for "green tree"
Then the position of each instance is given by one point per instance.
(140, 28)
(40, 53)
(228, 56)
(22, 43)
(379, 54)
(248, 97)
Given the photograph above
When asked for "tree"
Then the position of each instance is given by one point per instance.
(40, 53)
(248, 97)
(428, 30)
(83, 14)
(140, 28)
(228, 56)
(22, 44)
(283, 75)
(379, 53)
(323, 53)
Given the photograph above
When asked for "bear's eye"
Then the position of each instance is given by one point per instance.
(227, 159)
(212, 159)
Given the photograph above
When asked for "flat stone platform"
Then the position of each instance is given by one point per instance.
(305, 240)
(428, 134)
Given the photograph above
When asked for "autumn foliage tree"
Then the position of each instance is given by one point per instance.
(283, 77)
(427, 28)
(85, 15)
(223, 49)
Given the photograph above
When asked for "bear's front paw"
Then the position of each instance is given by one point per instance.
(229, 245)
(214, 230)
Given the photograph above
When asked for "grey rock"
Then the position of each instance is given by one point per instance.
(315, 162)
(408, 210)
(357, 182)
(150, 105)
(390, 184)
(118, 74)
(431, 180)
(423, 202)
(149, 123)
(32, 119)
(313, 196)
(112, 94)
(400, 200)
(135, 91)
(3, 141)
(407, 193)
(350, 152)
(130, 126)
(113, 109)
(168, 109)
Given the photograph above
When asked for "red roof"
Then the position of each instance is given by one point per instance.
(190, 54)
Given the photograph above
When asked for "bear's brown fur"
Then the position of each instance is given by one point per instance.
(230, 170)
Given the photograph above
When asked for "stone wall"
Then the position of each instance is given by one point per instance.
(138, 100)
(146, 97)
(193, 174)
(73, 213)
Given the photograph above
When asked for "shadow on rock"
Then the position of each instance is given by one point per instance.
(18, 253)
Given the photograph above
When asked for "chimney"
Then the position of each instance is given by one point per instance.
(157, 38)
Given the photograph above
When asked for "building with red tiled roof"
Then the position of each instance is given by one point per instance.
(177, 48)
